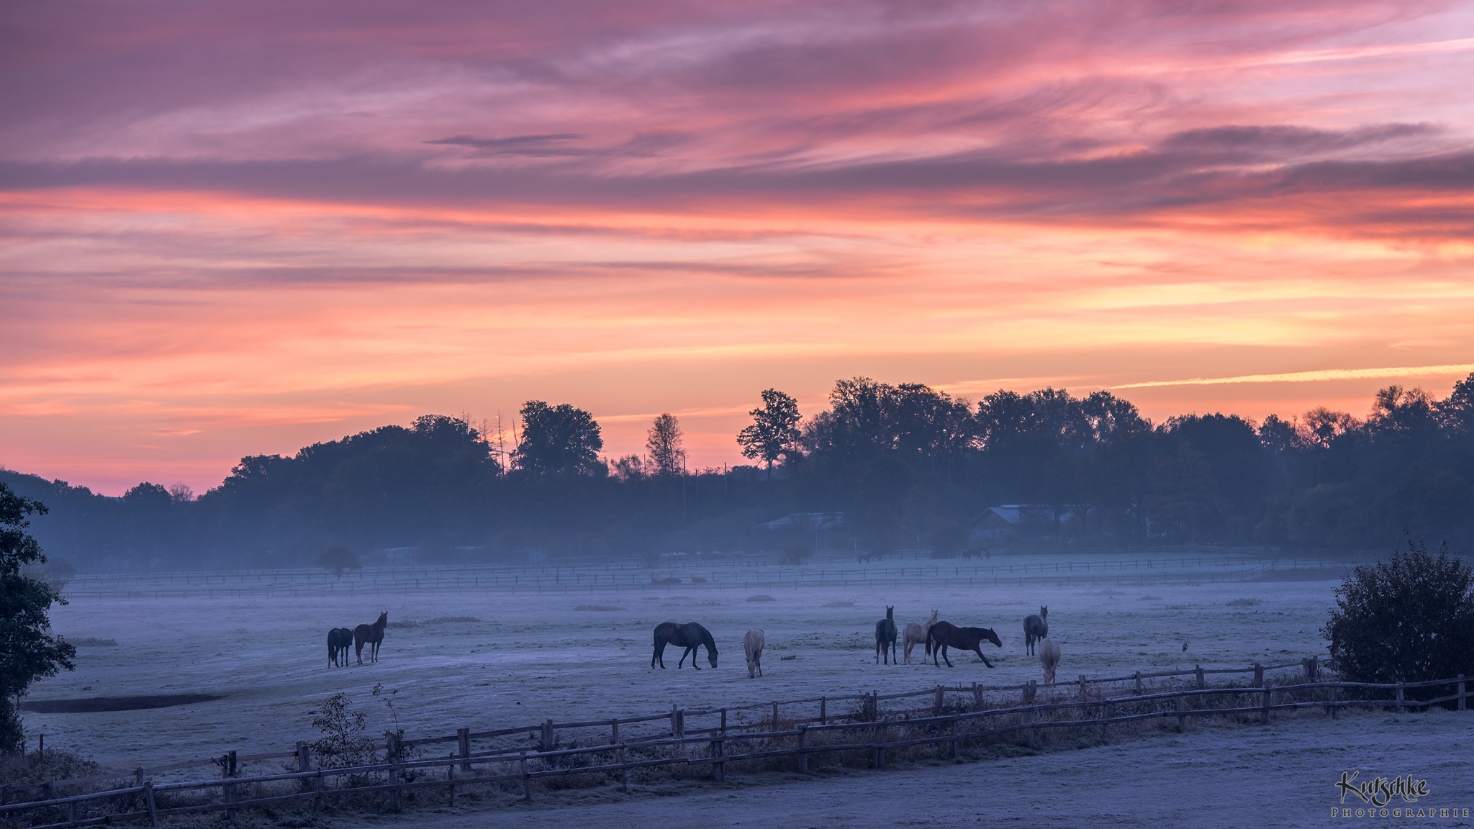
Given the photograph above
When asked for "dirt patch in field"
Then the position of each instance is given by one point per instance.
(92, 705)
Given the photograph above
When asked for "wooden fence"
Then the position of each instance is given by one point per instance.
(865, 734)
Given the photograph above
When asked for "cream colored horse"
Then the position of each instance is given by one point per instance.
(1049, 658)
(916, 634)
(752, 643)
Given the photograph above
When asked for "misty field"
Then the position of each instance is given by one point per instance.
(497, 648)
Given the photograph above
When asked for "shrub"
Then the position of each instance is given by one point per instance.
(1410, 619)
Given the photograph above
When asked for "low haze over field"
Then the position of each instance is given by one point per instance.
(235, 229)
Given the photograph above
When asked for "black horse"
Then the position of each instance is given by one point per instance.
(371, 635)
(339, 641)
(689, 636)
(885, 636)
(1036, 628)
(942, 635)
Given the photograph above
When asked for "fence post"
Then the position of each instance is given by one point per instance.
(1084, 689)
(1181, 714)
(1138, 683)
(1105, 719)
(1331, 708)
(822, 701)
(1258, 675)
(1399, 697)
(304, 764)
(1461, 692)
(463, 739)
(977, 696)
(775, 715)
(148, 802)
(546, 743)
(526, 778)
(229, 794)
(1027, 692)
(1201, 685)
(956, 743)
(1264, 706)
(718, 768)
(937, 706)
(450, 779)
(879, 750)
(803, 749)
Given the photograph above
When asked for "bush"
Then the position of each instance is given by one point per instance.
(1410, 619)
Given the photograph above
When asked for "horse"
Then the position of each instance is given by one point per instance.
(1049, 658)
(370, 635)
(339, 641)
(753, 642)
(885, 636)
(943, 635)
(689, 636)
(916, 634)
(1035, 628)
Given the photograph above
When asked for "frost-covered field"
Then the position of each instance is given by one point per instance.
(534, 655)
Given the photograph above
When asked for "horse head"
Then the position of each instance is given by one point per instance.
(992, 637)
(711, 651)
(890, 612)
(1044, 612)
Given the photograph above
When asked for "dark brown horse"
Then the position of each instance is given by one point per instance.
(339, 641)
(689, 636)
(370, 635)
(885, 636)
(943, 635)
(1035, 628)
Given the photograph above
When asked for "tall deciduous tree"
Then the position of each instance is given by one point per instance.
(28, 651)
(664, 445)
(558, 440)
(774, 429)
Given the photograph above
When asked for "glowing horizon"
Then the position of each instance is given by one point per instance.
(232, 231)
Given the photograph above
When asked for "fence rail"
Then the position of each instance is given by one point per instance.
(546, 733)
(1079, 704)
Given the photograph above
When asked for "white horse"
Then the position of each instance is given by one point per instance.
(1049, 658)
(916, 634)
(753, 642)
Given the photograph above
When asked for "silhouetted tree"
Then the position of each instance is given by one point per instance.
(774, 431)
(558, 440)
(664, 444)
(338, 558)
(28, 651)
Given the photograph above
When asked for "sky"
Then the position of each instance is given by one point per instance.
(235, 229)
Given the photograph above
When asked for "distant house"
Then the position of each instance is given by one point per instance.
(806, 521)
(1007, 519)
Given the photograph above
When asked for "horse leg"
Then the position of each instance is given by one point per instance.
(684, 654)
(658, 654)
(979, 651)
(358, 650)
(694, 651)
(944, 656)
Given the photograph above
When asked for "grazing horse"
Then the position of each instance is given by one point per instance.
(943, 635)
(689, 636)
(916, 635)
(753, 642)
(885, 636)
(1049, 658)
(339, 641)
(370, 635)
(1035, 628)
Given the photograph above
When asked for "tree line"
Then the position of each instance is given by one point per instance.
(906, 465)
